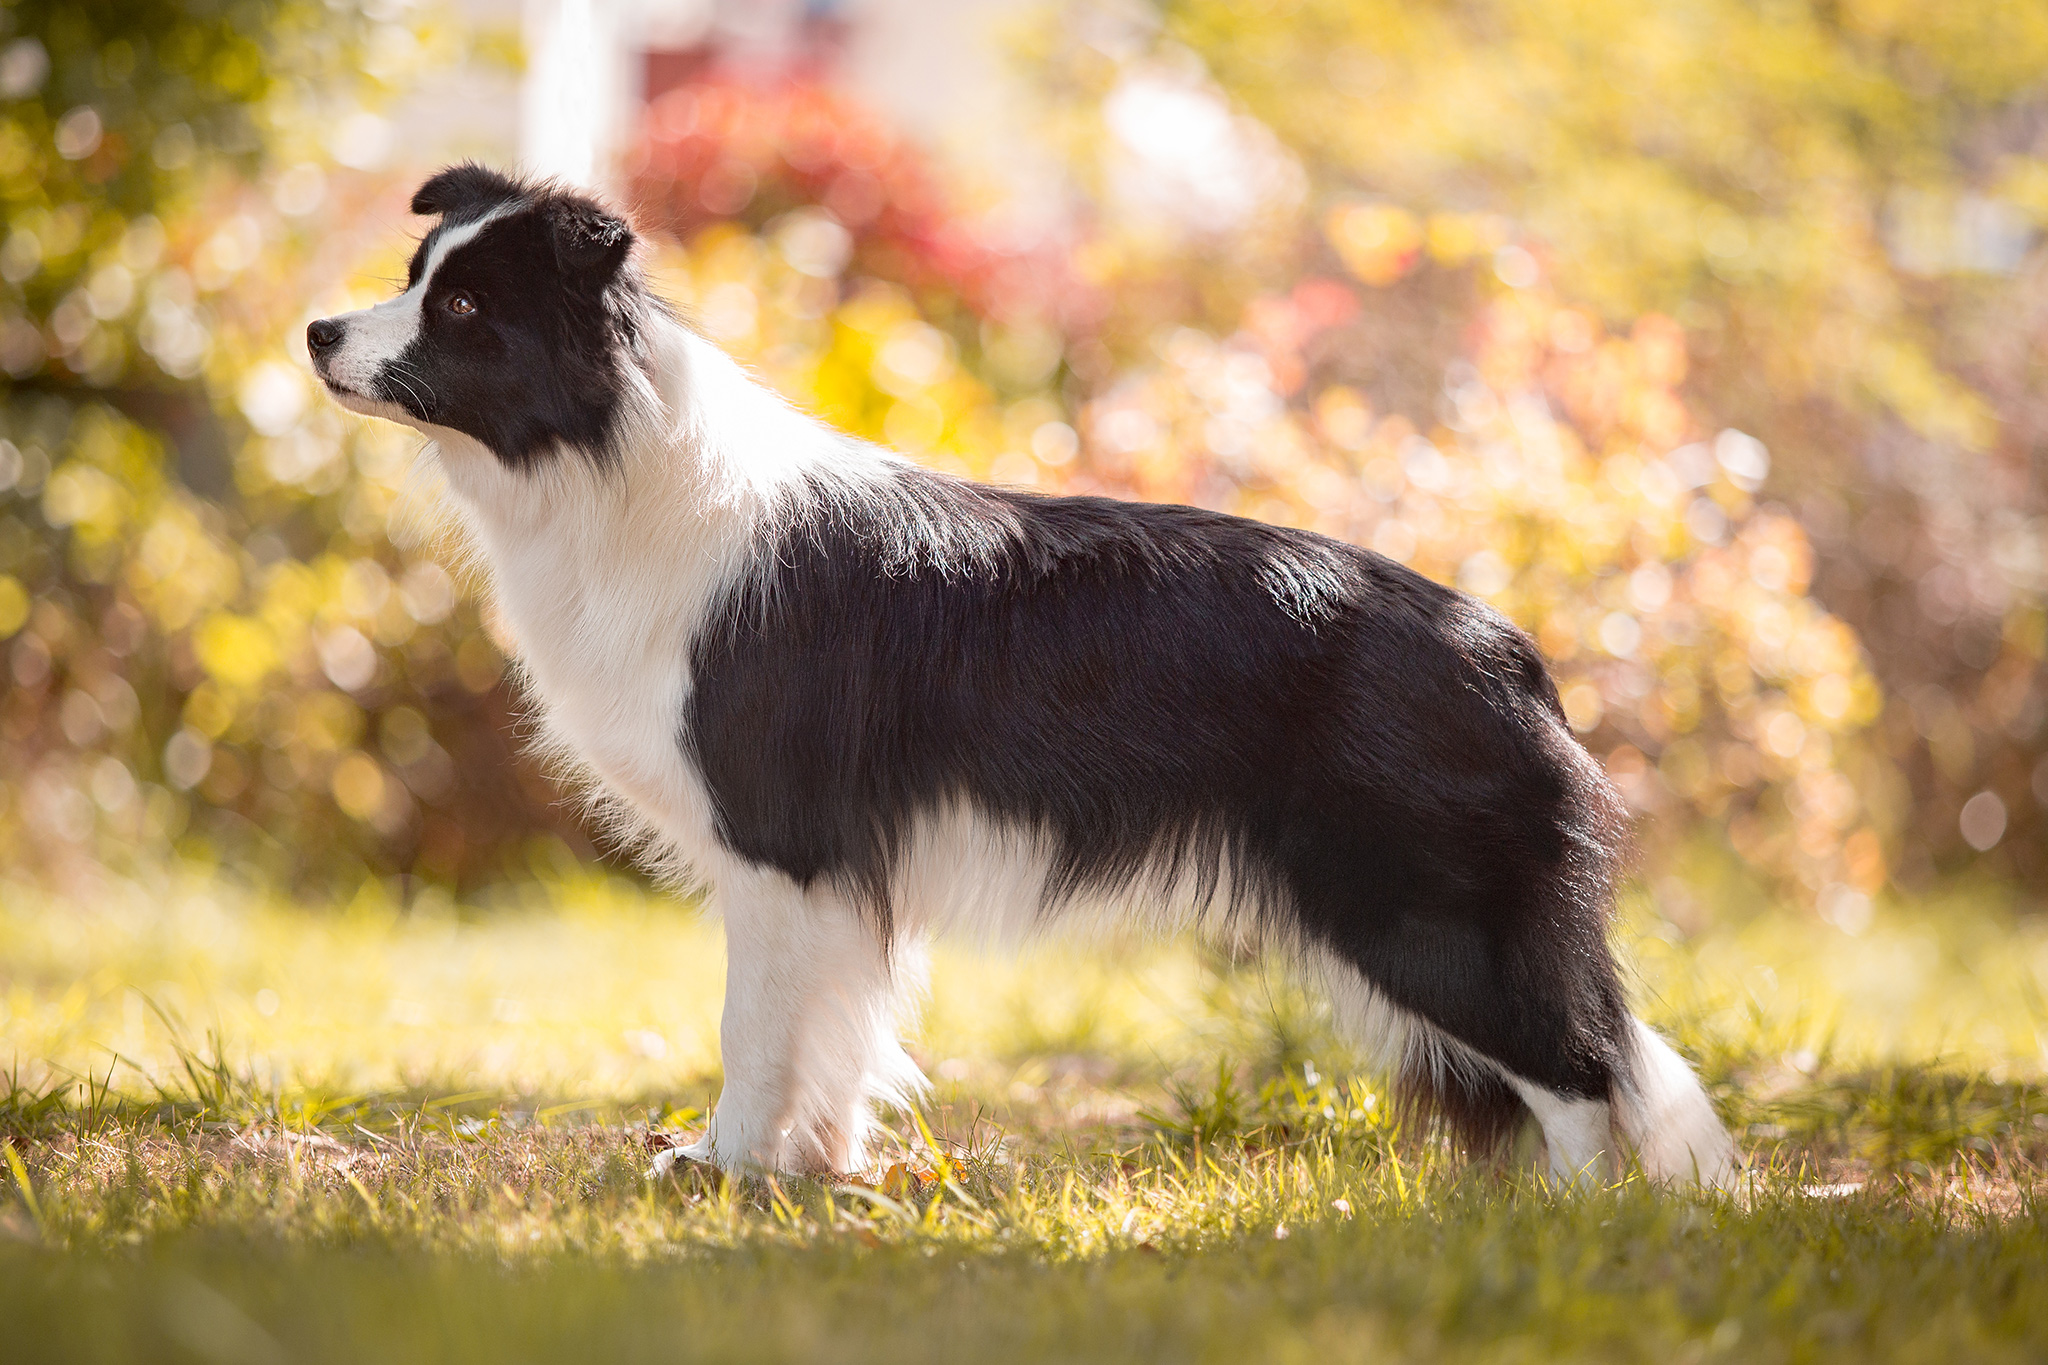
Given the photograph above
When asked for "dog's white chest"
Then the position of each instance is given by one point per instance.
(603, 628)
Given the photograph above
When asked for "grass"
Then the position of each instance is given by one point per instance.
(236, 1131)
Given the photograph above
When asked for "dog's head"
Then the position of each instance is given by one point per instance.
(521, 317)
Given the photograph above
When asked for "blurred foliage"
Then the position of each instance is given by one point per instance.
(1393, 304)
(1570, 481)
(1839, 205)
(816, 244)
(206, 615)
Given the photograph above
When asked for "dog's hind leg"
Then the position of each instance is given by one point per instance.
(1578, 1133)
(1660, 1108)
(1664, 1112)
(1478, 1099)
(808, 1035)
(1581, 1073)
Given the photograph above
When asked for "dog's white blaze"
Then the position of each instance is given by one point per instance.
(372, 337)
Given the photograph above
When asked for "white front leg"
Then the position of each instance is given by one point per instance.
(768, 987)
(808, 1037)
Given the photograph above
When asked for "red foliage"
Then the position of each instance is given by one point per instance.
(731, 149)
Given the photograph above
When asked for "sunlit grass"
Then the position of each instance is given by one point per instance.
(598, 989)
(247, 1130)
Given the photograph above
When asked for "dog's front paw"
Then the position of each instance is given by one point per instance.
(721, 1147)
(671, 1152)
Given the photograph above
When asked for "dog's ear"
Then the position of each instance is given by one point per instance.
(590, 242)
(465, 190)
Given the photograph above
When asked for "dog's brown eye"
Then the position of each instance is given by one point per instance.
(461, 303)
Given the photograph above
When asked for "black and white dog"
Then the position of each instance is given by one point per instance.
(866, 702)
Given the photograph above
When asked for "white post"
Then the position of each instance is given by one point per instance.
(577, 90)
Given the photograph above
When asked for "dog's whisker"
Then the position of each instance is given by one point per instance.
(403, 372)
(401, 381)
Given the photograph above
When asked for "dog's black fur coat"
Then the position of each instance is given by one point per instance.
(1378, 756)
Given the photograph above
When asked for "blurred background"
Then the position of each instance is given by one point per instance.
(1707, 341)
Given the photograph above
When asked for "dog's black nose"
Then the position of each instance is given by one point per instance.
(322, 334)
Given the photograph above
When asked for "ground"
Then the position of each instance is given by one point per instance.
(243, 1131)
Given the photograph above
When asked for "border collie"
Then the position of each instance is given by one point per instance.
(864, 702)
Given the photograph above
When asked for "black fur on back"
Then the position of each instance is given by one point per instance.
(544, 361)
(1377, 760)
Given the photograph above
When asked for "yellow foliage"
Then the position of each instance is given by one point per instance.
(1380, 243)
(14, 604)
(358, 785)
(209, 710)
(238, 650)
(1736, 160)
(86, 499)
